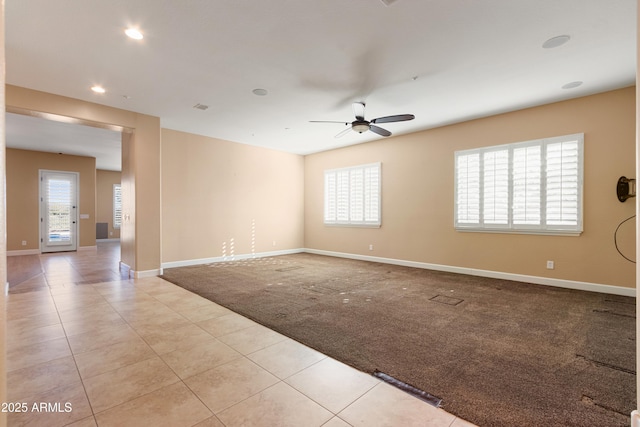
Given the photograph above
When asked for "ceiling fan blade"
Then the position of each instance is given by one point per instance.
(327, 121)
(396, 118)
(343, 132)
(379, 130)
(358, 110)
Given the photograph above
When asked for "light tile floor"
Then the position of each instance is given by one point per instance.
(98, 349)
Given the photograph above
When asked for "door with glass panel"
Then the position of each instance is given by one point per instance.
(58, 211)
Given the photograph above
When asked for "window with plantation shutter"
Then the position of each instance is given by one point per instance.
(352, 196)
(525, 187)
(117, 205)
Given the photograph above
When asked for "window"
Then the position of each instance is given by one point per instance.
(526, 187)
(352, 196)
(117, 205)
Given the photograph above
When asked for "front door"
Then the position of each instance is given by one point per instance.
(58, 211)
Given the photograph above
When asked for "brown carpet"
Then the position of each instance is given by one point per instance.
(498, 353)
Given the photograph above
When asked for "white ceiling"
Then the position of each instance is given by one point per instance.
(444, 61)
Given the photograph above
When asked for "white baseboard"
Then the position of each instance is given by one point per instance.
(87, 248)
(560, 283)
(635, 418)
(24, 252)
(107, 240)
(139, 274)
(187, 263)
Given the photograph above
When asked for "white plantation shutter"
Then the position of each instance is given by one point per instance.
(117, 205)
(531, 187)
(527, 181)
(468, 189)
(563, 178)
(352, 195)
(496, 187)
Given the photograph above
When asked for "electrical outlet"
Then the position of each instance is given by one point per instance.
(370, 247)
(274, 243)
(550, 265)
(24, 243)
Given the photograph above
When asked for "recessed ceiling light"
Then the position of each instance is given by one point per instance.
(572, 85)
(555, 41)
(98, 89)
(134, 33)
(260, 92)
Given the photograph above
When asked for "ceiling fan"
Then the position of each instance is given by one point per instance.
(361, 125)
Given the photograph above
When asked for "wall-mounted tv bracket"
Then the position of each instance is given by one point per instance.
(626, 188)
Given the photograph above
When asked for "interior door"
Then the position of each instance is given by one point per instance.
(58, 211)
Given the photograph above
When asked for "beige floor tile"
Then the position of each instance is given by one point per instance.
(386, 405)
(210, 422)
(101, 311)
(29, 323)
(22, 309)
(226, 324)
(332, 384)
(183, 337)
(121, 385)
(128, 293)
(336, 422)
(75, 300)
(105, 359)
(203, 312)
(187, 362)
(252, 339)
(94, 340)
(18, 338)
(285, 358)
(62, 406)
(171, 406)
(156, 323)
(85, 422)
(33, 354)
(96, 327)
(41, 378)
(279, 405)
(228, 384)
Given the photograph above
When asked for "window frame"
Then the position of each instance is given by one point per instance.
(544, 227)
(368, 202)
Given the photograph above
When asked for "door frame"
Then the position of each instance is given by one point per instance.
(75, 234)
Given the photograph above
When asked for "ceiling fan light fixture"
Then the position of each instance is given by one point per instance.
(360, 127)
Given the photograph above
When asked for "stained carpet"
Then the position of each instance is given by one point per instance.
(498, 353)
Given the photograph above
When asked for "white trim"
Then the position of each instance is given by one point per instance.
(187, 263)
(635, 418)
(145, 273)
(107, 240)
(124, 266)
(547, 281)
(6, 289)
(24, 252)
(87, 248)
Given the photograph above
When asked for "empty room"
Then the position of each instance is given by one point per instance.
(336, 213)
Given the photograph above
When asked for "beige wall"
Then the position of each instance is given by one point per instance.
(220, 197)
(140, 241)
(3, 225)
(417, 195)
(104, 199)
(23, 189)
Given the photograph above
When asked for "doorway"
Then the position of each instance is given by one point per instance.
(58, 211)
